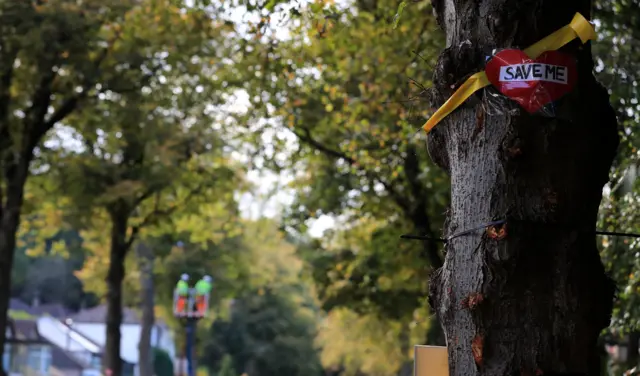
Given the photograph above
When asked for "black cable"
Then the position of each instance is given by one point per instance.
(621, 234)
(500, 222)
(456, 235)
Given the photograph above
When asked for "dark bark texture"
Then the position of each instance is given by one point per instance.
(115, 276)
(534, 301)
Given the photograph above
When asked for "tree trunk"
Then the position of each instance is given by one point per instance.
(145, 262)
(632, 349)
(540, 295)
(13, 175)
(115, 276)
(10, 218)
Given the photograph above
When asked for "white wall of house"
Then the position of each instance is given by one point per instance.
(60, 335)
(130, 338)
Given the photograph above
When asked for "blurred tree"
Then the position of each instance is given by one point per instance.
(162, 364)
(271, 326)
(618, 66)
(143, 155)
(266, 335)
(55, 55)
(351, 90)
(226, 367)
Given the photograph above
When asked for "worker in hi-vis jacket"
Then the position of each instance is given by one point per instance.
(181, 296)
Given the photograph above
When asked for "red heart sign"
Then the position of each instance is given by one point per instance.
(533, 83)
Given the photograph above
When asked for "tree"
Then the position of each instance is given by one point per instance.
(162, 364)
(146, 258)
(618, 64)
(271, 325)
(266, 335)
(54, 56)
(531, 299)
(151, 152)
(349, 87)
(358, 344)
(226, 367)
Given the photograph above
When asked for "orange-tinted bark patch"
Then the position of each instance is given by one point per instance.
(497, 232)
(473, 300)
(477, 348)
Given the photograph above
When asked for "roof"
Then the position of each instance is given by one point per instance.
(56, 310)
(99, 315)
(24, 331)
(18, 305)
(63, 336)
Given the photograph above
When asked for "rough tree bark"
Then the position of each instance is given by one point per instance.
(540, 295)
(145, 261)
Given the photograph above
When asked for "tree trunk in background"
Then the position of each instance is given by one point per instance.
(545, 295)
(115, 276)
(632, 350)
(435, 334)
(406, 346)
(12, 184)
(145, 261)
(8, 230)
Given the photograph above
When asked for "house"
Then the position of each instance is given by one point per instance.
(26, 351)
(63, 362)
(73, 354)
(77, 340)
(91, 322)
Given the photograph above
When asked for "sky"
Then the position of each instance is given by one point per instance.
(263, 202)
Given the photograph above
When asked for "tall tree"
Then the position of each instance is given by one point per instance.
(146, 258)
(349, 88)
(545, 295)
(272, 322)
(53, 55)
(618, 61)
(148, 153)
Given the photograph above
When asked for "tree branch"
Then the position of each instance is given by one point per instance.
(393, 193)
(418, 213)
(42, 125)
(157, 214)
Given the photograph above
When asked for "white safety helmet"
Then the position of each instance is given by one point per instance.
(207, 278)
(184, 277)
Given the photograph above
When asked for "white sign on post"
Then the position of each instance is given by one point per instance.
(430, 361)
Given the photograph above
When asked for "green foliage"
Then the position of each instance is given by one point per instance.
(356, 118)
(271, 322)
(267, 335)
(352, 90)
(617, 66)
(162, 364)
(226, 367)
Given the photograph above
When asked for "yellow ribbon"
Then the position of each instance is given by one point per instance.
(578, 28)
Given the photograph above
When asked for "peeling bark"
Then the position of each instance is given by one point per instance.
(545, 294)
